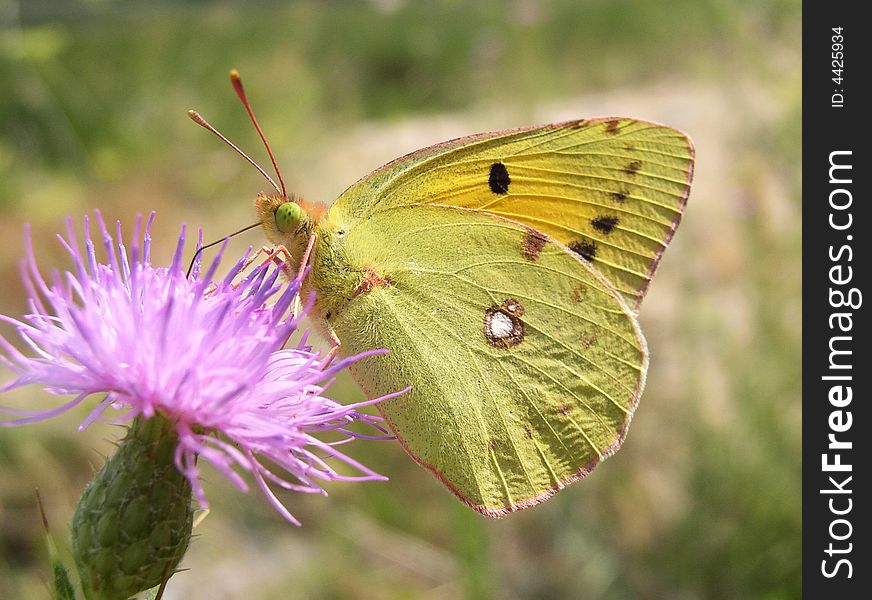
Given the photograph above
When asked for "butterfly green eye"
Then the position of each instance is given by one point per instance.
(288, 216)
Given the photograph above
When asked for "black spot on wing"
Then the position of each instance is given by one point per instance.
(585, 249)
(620, 196)
(605, 224)
(633, 167)
(499, 179)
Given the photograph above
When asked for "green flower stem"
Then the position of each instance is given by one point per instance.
(133, 523)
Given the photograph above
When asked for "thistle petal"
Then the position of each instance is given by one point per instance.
(207, 356)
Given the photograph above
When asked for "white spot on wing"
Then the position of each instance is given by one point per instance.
(503, 327)
(500, 325)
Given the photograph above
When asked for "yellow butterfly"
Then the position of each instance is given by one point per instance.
(503, 272)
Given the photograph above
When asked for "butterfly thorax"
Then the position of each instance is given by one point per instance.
(337, 276)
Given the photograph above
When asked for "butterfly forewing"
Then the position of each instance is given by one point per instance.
(611, 190)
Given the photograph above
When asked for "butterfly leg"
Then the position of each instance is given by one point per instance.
(307, 255)
(332, 337)
(273, 254)
(334, 350)
(278, 254)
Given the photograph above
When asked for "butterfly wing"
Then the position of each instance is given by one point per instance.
(611, 190)
(525, 364)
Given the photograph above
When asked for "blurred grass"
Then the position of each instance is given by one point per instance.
(702, 502)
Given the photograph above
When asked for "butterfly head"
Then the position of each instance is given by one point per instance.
(286, 218)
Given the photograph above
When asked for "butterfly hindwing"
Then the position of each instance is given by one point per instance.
(525, 364)
(611, 190)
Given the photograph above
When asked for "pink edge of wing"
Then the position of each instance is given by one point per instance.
(674, 226)
(529, 502)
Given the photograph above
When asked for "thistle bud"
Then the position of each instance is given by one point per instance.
(133, 523)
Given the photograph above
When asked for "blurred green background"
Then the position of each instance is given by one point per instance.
(703, 501)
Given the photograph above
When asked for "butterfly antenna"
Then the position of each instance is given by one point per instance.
(199, 120)
(236, 81)
(215, 243)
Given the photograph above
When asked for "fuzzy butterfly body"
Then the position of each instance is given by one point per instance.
(503, 272)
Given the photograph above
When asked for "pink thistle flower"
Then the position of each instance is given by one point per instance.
(207, 356)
